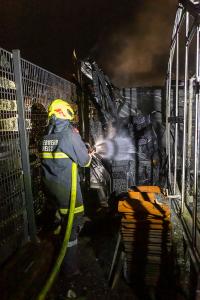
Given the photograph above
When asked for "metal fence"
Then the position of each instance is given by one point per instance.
(183, 121)
(25, 93)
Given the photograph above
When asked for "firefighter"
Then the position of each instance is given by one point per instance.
(62, 146)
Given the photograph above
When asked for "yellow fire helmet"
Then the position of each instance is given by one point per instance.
(61, 110)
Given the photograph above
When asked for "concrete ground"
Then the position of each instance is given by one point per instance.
(96, 248)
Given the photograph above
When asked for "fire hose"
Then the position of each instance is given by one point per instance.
(63, 249)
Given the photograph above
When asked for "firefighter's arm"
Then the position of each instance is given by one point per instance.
(82, 156)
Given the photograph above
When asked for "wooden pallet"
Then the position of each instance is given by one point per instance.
(146, 234)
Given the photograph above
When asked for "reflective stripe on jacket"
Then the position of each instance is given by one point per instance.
(59, 148)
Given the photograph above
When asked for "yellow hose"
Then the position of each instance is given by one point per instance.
(63, 249)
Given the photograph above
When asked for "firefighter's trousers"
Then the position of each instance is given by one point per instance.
(70, 263)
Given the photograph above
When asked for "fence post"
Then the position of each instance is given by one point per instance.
(24, 145)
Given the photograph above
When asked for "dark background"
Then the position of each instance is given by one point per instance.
(128, 38)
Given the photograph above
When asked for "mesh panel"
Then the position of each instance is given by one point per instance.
(13, 225)
(40, 87)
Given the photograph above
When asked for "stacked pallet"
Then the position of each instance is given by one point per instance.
(145, 230)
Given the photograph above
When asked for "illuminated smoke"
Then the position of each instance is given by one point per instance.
(116, 146)
(137, 54)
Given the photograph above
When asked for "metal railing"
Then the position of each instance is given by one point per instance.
(183, 121)
(25, 93)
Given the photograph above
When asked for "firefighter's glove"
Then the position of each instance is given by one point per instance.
(92, 154)
(91, 149)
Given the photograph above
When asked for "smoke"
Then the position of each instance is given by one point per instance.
(137, 54)
(117, 148)
(118, 145)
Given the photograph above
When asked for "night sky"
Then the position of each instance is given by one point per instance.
(129, 39)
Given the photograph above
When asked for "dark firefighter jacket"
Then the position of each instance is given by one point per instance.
(60, 147)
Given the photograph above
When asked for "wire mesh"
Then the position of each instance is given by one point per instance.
(40, 87)
(13, 221)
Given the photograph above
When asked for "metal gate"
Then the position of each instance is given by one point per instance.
(183, 121)
(25, 93)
